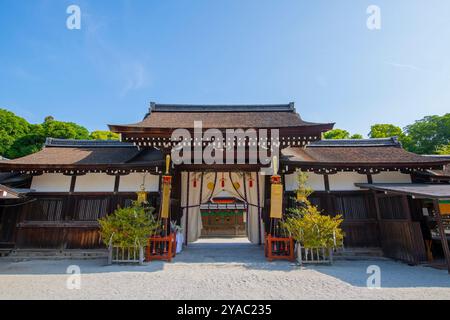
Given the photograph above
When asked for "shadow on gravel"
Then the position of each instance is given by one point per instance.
(393, 274)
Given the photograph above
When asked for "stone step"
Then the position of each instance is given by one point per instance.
(359, 254)
(44, 254)
(5, 252)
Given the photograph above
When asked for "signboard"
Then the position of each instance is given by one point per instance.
(276, 201)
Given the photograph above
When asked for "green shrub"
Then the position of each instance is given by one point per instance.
(307, 225)
(128, 227)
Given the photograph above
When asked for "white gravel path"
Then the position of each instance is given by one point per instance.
(219, 271)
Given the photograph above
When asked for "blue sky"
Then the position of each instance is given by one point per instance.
(318, 53)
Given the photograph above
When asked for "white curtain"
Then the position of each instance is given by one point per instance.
(203, 190)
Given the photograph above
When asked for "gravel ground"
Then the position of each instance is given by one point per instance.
(211, 269)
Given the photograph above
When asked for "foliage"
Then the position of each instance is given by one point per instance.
(19, 138)
(356, 136)
(443, 150)
(336, 134)
(103, 135)
(12, 127)
(425, 136)
(341, 134)
(128, 227)
(307, 225)
(384, 130)
(64, 130)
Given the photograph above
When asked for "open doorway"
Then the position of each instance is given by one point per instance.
(224, 216)
(222, 204)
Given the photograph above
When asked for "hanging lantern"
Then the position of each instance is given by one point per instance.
(194, 182)
(222, 181)
(142, 195)
(250, 182)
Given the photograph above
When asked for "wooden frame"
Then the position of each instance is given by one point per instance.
(169, 248)
(287, 253)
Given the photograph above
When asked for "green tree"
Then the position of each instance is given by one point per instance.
(103, 135)
(28, 144)
(427, 135)
(337, 134)
(341, 134)
(356, 136)
(19, 138)
(385, 130)
(307, 225)
(64, 130)
(129, 227)
(12, 127)
(443, 150)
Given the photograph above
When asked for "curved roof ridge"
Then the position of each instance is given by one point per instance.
(54, 142)
(378, 142)
(161, 107)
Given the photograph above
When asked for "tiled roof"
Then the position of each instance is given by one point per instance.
(85, 153)
(166, 116)
(77, 155)
(363, 151)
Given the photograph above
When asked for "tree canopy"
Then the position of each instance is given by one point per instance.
(103, 135)
(341, 134)
(385, 130)
(428, 135)
(19, 138)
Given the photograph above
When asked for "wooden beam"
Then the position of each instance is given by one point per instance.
(73, 181)
(116, 183)
(326, 181)
(442, 233)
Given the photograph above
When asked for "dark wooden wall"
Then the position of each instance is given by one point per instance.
(63, 221)
(356, 207)
(394, 226)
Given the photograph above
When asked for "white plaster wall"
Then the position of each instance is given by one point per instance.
(95, 182)
(315, 181)
(51, 182)
(133, 181)
(391, 177)
(345, 181)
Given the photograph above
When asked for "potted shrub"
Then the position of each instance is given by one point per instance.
(126, 231)
(316, 234)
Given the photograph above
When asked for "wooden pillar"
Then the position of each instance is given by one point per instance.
(73, 181)
(259, 208)
(442, 233)
(187, 208)
(116, 184)
(406, 207)
(266, 200)
(377, 206)
(329, 198)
